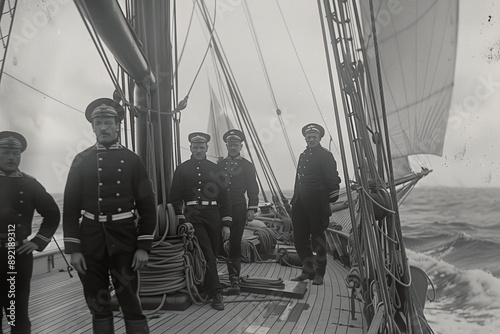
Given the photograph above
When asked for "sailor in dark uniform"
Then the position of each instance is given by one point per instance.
(110, 186)
(200, 186)
(316, 189)
(20, 196)
(242, 179)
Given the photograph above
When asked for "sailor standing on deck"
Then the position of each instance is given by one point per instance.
(200, 186)
(241, 175)
(110, 185)
(316, 189)
(20, 196)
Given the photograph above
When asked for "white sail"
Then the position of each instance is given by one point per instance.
(218, 124)
(401, 167)
(417, 48)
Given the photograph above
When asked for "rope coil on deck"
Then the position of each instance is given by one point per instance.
(176, 263)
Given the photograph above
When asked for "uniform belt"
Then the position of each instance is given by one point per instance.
(201, 203)
(6, 244)
(104, 218)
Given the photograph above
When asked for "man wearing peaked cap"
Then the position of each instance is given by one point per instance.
(104, 107)
(313, 128)
(20, 196)
(316, 189)
(234, 135)
(110, 185)
(198, 137)
(13, 140)
(199, 195)
(242, 179)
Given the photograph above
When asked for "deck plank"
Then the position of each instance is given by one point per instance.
(57, 306)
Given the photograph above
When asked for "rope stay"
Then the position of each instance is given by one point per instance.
(243, 116)
(268, 80)
(380, 253)
(305, 76)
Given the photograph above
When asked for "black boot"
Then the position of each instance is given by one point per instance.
(318, 280)
(233, 290)
(303, 276)
(103, 326)
(137, 326)
(217, 302)
(233, 269)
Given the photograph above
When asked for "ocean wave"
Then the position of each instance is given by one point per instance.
(471, 291)
(463, 250)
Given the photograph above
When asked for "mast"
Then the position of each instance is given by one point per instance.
(154, 102)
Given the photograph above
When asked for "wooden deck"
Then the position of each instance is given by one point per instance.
(57, 306)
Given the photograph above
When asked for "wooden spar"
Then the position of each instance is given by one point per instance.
(112, 27)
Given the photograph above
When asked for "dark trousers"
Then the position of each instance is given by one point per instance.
(96, 286)
(237, 228)
(308, 234)
(15, 289)
(207, 229)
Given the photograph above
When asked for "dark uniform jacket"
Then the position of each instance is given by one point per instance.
(241, 175)
(317, 178)
(20, 196)
(200, 180)
(107, 182)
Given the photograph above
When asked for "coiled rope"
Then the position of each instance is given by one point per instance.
(176, 263)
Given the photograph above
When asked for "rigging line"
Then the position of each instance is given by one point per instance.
(212, 29)
(267, 78)
(366, 65)
(97, 42)
(397, 222)
(353, 75)
(239, 104)
(240, 123)
(367, 94)
(287, 140)
(337, 115)
(353, 107)
(12, 11)
(175, 88)
(305, 75)
(44, 94)
(259, 52)
(260, 155)
(259, 181)
(175, 99)
(186, 38)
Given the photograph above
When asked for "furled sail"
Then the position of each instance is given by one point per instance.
(417, 48)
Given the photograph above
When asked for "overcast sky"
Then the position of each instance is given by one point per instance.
(52, 53)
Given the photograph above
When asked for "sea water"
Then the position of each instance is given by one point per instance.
(453, 234)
